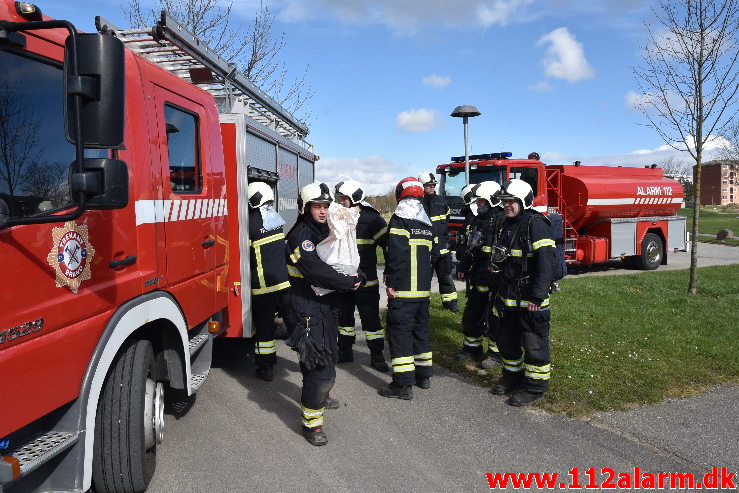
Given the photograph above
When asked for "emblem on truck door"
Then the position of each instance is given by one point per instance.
(71, 254)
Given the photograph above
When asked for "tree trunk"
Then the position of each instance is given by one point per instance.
(693, 284)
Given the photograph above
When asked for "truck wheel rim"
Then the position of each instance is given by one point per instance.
(653, 253)
(153, 413)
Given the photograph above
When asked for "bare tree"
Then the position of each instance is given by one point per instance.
(254, 50)
(690, 81)
(729, 148)
(48, 181)
(679, 170)
(18, 143)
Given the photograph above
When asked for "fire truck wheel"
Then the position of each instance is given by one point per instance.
(124, 456)
(651, 252)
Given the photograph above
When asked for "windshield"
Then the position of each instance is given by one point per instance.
(452, 183)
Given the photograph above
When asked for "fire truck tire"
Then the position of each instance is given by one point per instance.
(122, 463)
(651, 252)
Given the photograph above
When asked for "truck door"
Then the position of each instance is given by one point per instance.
(59, 279)
(189, 206)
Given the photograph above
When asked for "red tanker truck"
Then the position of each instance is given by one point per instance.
(605, 212)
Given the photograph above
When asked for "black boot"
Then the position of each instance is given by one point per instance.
(346, 354)
(315, 436)
(524, 398)
(493, 359)
(266, 373)
(395, 391)
(423, 382)
(377, 360)
(504, 388)
(332, 403)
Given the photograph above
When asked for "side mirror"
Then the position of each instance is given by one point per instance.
(104, 181)
(101, 83)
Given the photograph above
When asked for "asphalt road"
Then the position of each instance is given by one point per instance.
(242, 434)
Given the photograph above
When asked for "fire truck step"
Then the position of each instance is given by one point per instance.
(197, 342)
(197, 380)
(36, 452)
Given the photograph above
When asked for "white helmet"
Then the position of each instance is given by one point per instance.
(314, 192)
(259, 193)
(518, 190)
(427, 177)
(468, 194)
(351, 189)
(489, 191)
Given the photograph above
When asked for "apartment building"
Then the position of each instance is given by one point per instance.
(720, 182)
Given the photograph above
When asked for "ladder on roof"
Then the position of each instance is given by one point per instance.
(172, 47)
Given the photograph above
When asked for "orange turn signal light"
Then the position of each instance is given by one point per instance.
(214, 326)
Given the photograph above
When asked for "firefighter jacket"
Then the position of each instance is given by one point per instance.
(460, 244)
(304, 265)
(475, 262)
(438, 211)
(266, 256)
(371, 233)
(408, 259)
(527, 273)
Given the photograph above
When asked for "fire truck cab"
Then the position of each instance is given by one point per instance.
(121, 268)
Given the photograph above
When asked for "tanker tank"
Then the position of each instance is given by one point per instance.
(594, 193)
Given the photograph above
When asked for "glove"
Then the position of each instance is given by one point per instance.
(361, 278)
(311, 354)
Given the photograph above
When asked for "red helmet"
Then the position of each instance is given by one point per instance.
(408, 187)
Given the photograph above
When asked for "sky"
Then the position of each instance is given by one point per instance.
(551, 76)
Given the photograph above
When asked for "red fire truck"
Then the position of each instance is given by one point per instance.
(603, 212)
(120, 268)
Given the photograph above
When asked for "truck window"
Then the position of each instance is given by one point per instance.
(454, 180)
(34, 153)
(185, 174)
(529, 175)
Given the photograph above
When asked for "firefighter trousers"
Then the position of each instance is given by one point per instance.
(524, 345)
(408, 337)
(264, 307)
(474, 320)
(320, 314)
(367, 302)
(443, 265)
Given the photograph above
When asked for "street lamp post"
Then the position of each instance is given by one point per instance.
(465, 112)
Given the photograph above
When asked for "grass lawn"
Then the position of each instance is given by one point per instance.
(712, 220)
(621, 341)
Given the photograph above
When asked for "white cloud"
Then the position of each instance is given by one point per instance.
(406, 16)
(564, 57)
(376, 173)
(541, 86)
(652, 102)
(500, 12)
(437, 81)
(419, 120)
(639, 157)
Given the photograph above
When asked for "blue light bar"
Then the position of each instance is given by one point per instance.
(480, 157)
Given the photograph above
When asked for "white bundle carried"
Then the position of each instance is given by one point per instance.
(339, 249)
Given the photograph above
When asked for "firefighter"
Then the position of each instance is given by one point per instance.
(269, 280)
(316, 328)
(534, 156)
(438, 211)
(371, 233)
(475, 266)
(408, 281)
(469, 211)
(522, 299)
